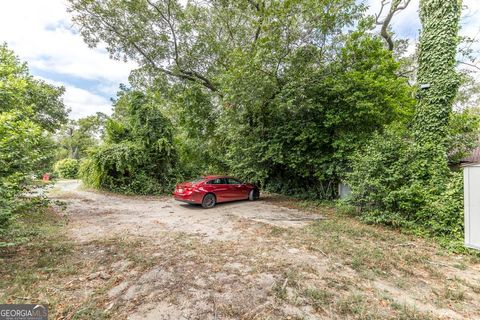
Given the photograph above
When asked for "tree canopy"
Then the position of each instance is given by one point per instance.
(30, 110)
(20, 91)
(230, 73)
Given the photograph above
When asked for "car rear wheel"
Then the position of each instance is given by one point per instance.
(254, 194)
(209, 201)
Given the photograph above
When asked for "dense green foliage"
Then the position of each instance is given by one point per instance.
(436, 61)
(300, 141)
(280, 104)
(403, 177)
(29, 110)
(19, 91)
(294, 95)
(77, 136)
(393, 183)
(138, 154)
(22, 148)
(66, 168)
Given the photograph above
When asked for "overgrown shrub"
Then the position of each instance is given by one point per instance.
(138, 155)
(23, 148)
(395, 182)
(67, 168)
(30, 110)
(299, 140)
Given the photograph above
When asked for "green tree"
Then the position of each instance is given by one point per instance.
(198, 41)
(20, 91)
(138, 154)
(402, 177)
(77, 136)
(300, 141)
(29, 111)
(279, 92)
(66, 168)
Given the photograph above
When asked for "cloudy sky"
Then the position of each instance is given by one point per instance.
(41, 33)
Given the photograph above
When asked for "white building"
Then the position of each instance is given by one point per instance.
(471, 174)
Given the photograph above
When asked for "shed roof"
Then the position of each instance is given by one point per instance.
(474, 157)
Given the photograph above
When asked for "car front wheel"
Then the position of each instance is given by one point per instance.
(208, 201)
(254, 194)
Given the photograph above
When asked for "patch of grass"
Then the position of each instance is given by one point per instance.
(370, 250)
(460, 266)
(319, 298)
(89, 312)
(277, 231)
(404, 312)
(47, 267)
(37, 260)
(352, 304)
(230, 310)
(338, 282)
(290, 278)
(118, 248)
(454, 293)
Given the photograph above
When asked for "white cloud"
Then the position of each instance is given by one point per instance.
(84, 103)
(81, 101)
(406, 23)
(41, 33)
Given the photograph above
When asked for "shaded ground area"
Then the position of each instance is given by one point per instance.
(152, 258)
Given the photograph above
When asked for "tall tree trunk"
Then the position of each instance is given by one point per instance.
(437, 77)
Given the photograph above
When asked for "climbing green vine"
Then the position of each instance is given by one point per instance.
(402, 177)
(437, 77)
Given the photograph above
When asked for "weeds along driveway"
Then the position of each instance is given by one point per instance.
(154, 258)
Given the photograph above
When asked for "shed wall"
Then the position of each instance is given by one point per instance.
(472, 206)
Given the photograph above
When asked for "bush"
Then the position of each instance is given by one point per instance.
(124, 167)
(67, 168)
(298, 141)
(23, 149)
(138, 155)
(395, 182)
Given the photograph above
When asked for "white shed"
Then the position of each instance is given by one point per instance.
(471, 174)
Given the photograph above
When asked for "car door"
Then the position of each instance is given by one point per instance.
(219, 187)
(237, 190)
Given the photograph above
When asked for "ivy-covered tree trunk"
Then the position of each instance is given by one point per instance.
(436, 75)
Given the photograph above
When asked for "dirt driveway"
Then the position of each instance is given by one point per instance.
(97, 215)
(154, 258)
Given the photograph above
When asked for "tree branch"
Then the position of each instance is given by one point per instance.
(258, 7)
(396, 6)
(182, 74)
(170, 25)
(469, 64)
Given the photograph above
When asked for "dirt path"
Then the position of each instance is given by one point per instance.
(154, 258)
(97, 215)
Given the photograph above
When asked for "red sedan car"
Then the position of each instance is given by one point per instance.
(211, 190)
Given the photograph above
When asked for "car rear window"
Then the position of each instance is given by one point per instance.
(197, 180)
(216, 181)
(233, 181)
